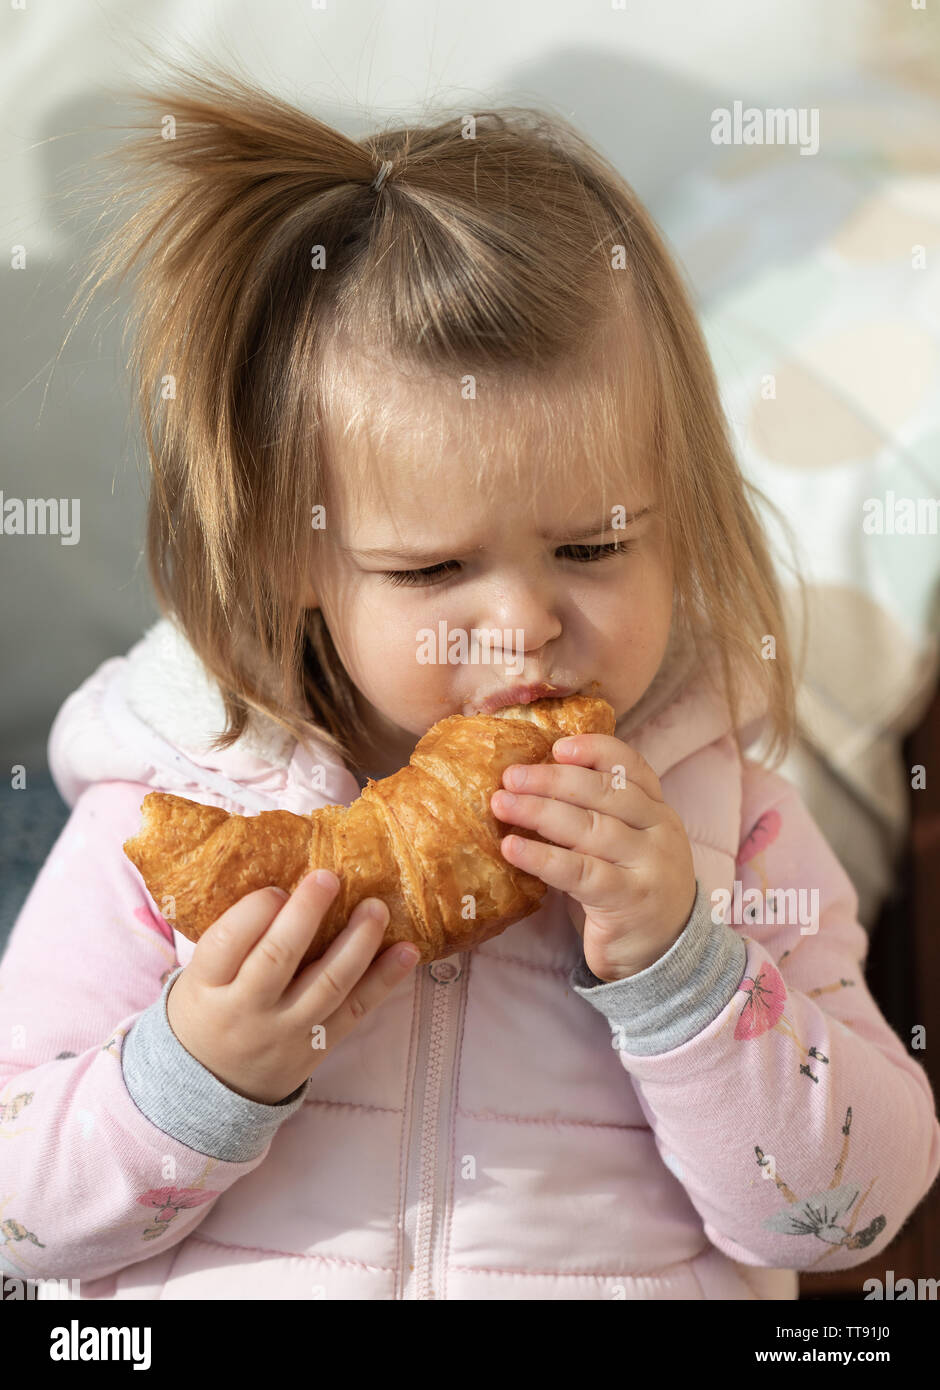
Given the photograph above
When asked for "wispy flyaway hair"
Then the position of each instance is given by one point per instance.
(269, 250)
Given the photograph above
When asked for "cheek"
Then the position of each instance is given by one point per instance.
(658, 603)
(656, 581)
(640, 610)
(377, 641)
(380, 647)
(644, 634)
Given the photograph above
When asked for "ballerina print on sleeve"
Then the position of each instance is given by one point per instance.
(763, 833)
(767, 993)
(822, 1213)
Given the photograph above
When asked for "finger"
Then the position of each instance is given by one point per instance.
(269, 968)
(330, 977)
(587, 879)
(223, 947)
(605, 753)
(350, 975)
(573, 827)
(602, 792)
(386, 972)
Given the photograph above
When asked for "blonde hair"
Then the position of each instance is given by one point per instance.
(518, 255)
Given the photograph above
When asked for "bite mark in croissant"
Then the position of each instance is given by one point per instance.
(424, 840)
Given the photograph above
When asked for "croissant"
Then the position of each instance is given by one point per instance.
(425, 840)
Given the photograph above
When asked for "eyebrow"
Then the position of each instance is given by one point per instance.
(430, 556)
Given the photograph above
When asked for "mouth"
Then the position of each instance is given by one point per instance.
(522, 695)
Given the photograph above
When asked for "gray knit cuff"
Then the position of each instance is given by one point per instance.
(678, 995)
(184, 1100)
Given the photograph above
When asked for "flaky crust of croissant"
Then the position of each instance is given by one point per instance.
(424, 840)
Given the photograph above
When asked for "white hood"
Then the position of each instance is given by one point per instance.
(150, 717)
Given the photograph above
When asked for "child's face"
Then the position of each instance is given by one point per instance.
(551, 615)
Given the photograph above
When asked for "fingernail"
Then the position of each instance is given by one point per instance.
(324, 879)
(374, 908)
(407, 955)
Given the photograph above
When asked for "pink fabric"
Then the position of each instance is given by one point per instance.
(525, 1156)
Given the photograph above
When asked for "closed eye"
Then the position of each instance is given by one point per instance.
(582, 554)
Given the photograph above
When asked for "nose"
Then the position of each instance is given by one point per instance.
(527, 604)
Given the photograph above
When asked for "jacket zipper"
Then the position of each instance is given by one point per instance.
(439, 1013)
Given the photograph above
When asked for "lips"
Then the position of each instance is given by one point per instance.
(523, 695)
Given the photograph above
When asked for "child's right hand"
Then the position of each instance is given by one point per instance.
(237, 1008)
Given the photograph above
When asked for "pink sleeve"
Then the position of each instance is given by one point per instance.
(89, 1184)
(803, 1129)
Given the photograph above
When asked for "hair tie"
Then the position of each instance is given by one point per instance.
(382, 174)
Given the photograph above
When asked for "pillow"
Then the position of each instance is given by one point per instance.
(818, 281)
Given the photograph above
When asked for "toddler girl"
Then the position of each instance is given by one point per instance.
(441, 382)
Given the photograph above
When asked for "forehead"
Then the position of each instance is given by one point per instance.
(416, 451)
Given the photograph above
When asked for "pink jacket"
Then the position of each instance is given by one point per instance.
(503, 1126)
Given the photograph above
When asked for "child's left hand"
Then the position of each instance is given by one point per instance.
(627, 858)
